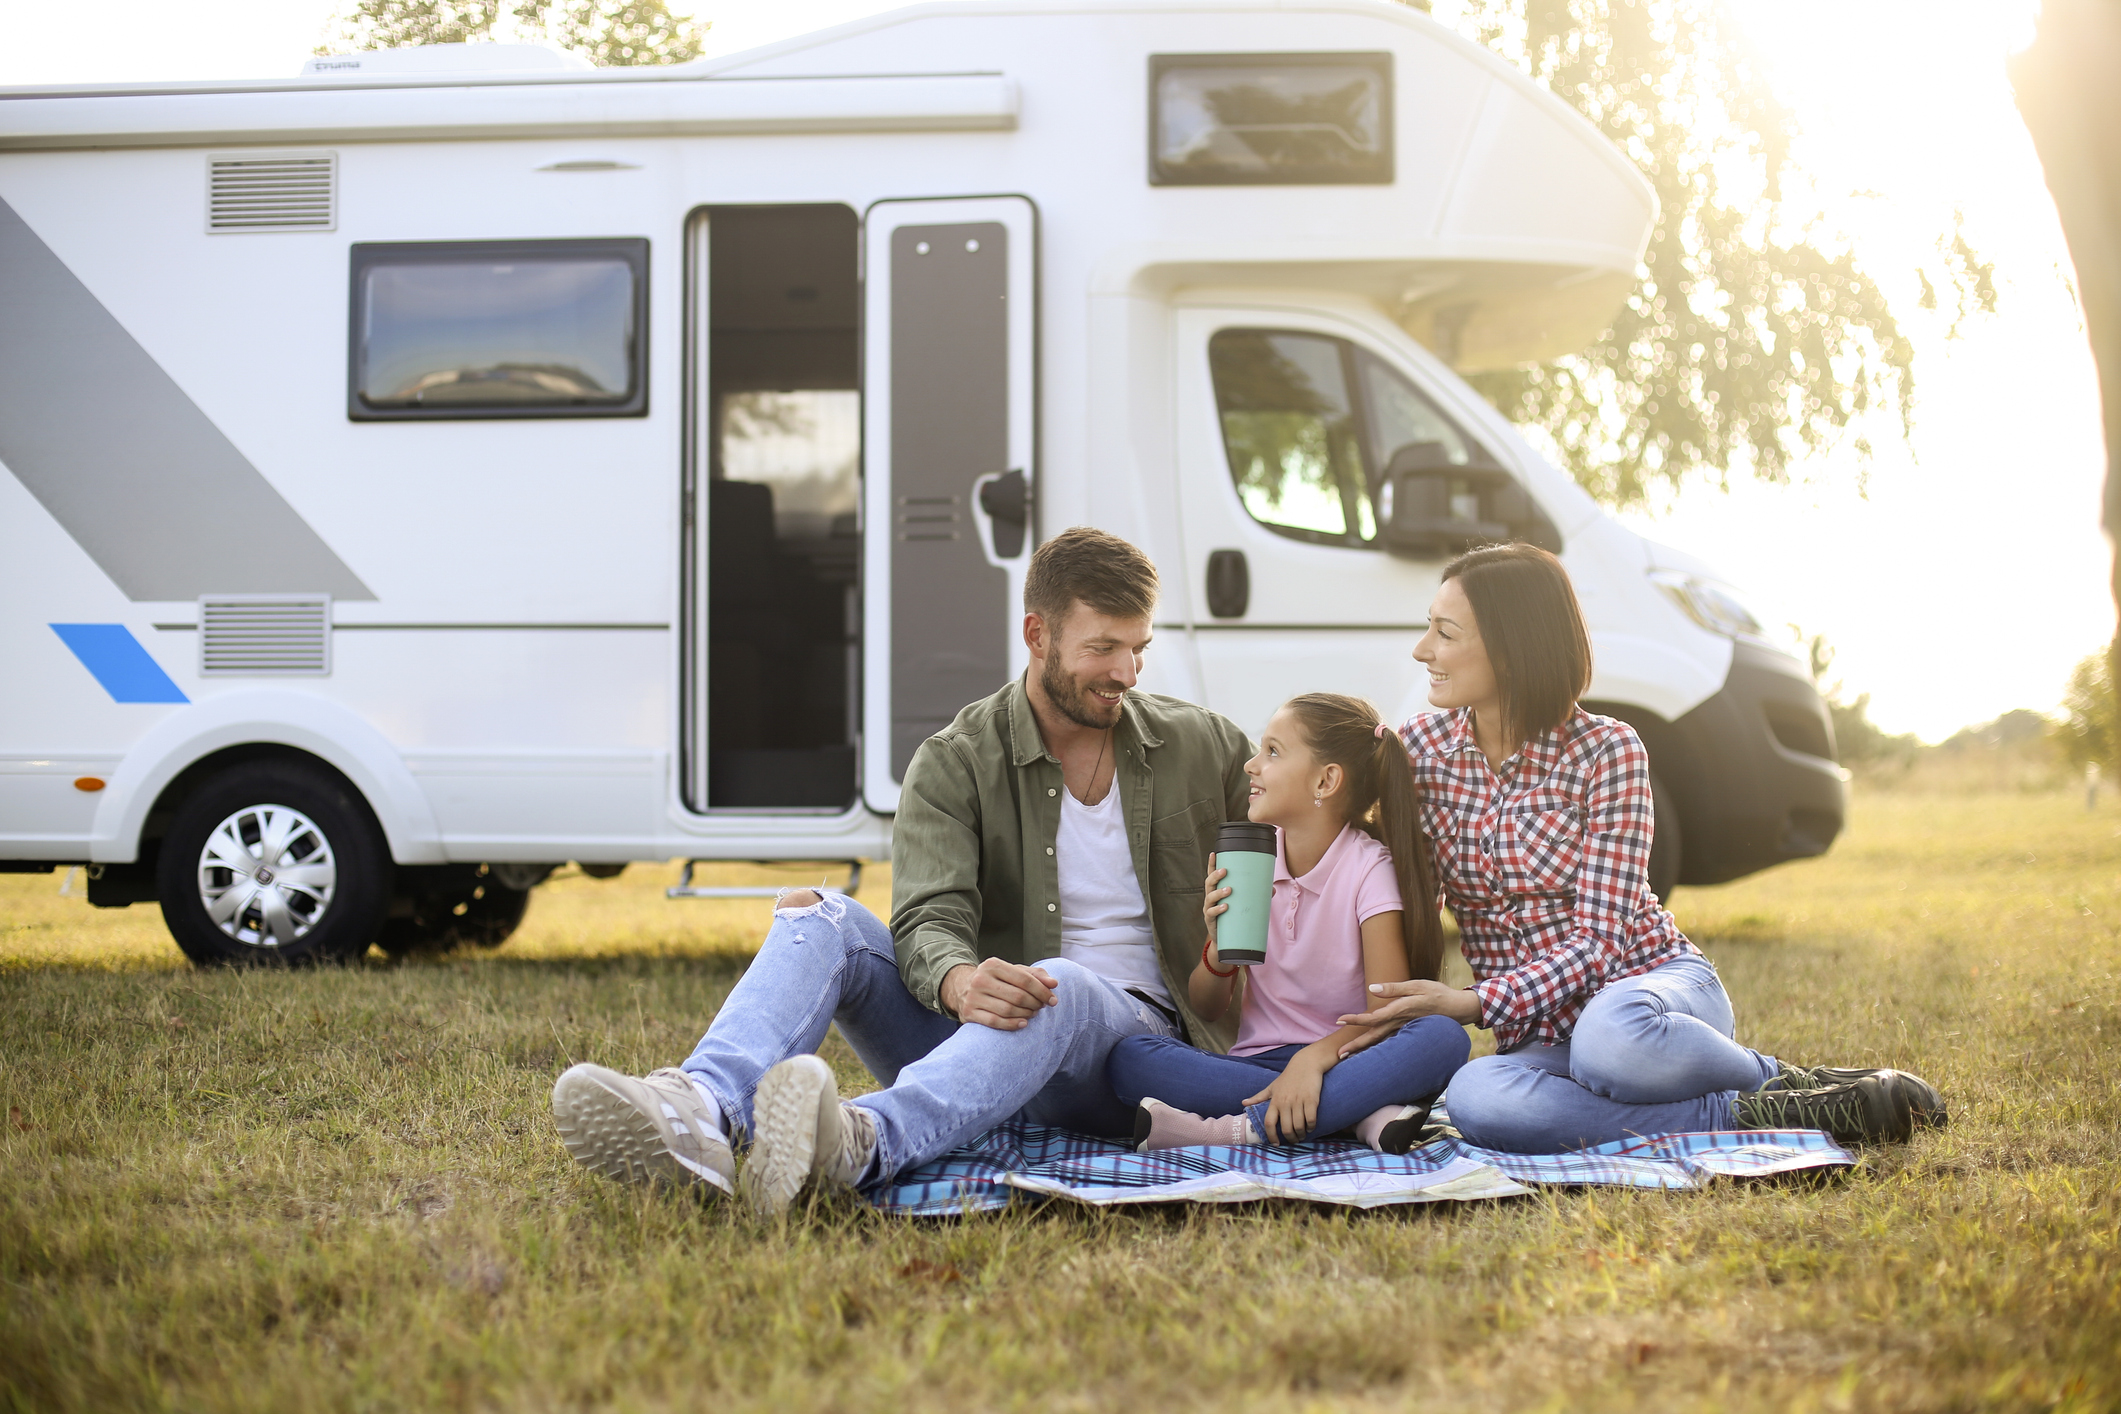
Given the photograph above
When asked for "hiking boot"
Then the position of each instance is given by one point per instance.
(656, 1128)
(1873, 1109)
(801, 1130)
(1922, 1096)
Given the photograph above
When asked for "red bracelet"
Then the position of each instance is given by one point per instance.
(1212, 972)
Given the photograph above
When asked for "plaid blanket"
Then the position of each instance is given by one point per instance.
(1015, 1160)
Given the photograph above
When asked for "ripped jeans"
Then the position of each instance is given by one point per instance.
(944, 1081)
(1651, 1054)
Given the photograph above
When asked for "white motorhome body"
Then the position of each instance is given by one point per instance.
(627, 464)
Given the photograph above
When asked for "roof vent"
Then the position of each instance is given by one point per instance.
(272, 191)
(265, 635)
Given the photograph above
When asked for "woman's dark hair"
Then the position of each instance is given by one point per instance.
(1526, 611)
(1382, 803)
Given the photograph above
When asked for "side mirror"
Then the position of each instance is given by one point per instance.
(1430, 508)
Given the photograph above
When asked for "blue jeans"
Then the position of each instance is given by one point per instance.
(944, 1081)
(1651, 1054)
(1408, 1067)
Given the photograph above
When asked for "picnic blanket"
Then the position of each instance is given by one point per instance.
(1015, 1161)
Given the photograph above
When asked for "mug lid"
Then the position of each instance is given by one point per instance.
(1245, 836)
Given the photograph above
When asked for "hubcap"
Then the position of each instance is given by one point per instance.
(266, 875)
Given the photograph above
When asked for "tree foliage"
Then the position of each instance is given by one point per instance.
(1752, 340)
(605, 32)
(2090, 730)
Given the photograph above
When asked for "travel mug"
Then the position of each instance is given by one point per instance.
(1247, 851)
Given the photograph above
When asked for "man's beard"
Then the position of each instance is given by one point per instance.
(1073, 701)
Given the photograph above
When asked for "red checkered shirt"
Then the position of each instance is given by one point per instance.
(1545, 865)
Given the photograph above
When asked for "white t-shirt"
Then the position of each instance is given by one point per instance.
(1104, 918)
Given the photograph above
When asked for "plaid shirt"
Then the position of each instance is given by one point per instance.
(1545, 865)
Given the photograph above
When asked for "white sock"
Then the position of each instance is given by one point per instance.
(714, 1107)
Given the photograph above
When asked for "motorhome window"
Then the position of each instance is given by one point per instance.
(498, 329)
(1400, 416)
(1270, 119)
(1290, 432)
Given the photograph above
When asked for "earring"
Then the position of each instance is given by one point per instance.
(1319, 800)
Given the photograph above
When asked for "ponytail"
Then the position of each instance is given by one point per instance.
(1385, 805)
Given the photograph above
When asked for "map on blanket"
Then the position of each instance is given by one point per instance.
(1016, 1161)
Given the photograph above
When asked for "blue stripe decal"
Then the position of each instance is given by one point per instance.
(127, 673)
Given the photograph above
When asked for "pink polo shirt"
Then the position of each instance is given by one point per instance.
(1313, 973)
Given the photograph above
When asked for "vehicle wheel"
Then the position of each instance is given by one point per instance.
(1667, 844)
(450, 907)
(273, 862)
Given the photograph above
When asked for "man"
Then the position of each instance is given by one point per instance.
(1046, 901)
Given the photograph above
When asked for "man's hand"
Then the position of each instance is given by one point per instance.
(1292, 1100)
(999, 994)
(1394, 1004)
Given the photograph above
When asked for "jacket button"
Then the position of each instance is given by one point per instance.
(1051, 791)
(1050, 907)
(1049, 849)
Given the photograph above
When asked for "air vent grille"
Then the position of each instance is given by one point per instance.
(265, 635)
(272, 191)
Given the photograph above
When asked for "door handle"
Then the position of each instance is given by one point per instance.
(1007, 501)
(1229, 584)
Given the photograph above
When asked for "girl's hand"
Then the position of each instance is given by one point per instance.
(1394, 1004)
(1292, 1100)
(1214, 905)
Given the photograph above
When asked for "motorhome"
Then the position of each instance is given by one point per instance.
(445, 463)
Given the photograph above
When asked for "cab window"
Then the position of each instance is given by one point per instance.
(1309, 424)
(1290, 431)
(1399, 416)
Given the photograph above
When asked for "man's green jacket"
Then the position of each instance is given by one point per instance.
(973, 874)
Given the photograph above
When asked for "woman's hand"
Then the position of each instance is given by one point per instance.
(1394, 1004)
(1292, 1100)
(1214, 904)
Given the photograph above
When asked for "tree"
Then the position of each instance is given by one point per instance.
(606, 32)
(2090, 730)
(1751, 340)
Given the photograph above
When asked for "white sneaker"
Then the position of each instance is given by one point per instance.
(800, 1130)
(642, 1129)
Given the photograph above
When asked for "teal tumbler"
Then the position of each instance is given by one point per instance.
(1247, 850)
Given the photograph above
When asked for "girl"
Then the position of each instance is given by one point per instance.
(1608, 1022)
(1333, 781)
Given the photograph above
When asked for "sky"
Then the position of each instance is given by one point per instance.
(1960, 573)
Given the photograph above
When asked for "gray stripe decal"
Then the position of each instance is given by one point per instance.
(129, 465)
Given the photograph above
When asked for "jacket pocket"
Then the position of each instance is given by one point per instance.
(1179, 845)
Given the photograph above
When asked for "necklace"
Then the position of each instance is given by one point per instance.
(1095, 768)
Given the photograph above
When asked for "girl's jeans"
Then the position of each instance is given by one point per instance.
(1651, 1054)
(944, 1081)
(1408, 1067)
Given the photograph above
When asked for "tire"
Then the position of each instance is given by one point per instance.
(273, 863)
(450, 907)
(1667, 845)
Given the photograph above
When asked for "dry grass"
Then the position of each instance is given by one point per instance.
(341, 1191)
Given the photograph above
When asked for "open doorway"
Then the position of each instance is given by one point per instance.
(777, 453)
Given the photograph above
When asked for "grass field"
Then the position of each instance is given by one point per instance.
(341, 1190)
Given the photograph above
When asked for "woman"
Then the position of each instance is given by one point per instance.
(1608, 1023)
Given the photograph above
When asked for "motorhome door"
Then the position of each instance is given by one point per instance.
(949, 313)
